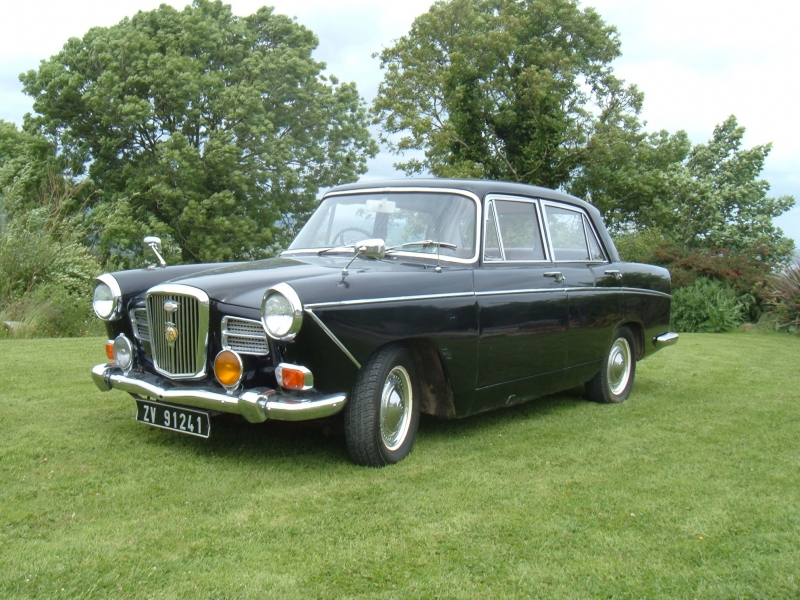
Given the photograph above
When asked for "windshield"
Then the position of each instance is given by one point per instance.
(400, 219)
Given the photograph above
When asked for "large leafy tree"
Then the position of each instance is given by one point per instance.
(706, 197)
(505, 89)
(214, 131)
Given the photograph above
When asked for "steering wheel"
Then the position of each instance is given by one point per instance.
(341, 234)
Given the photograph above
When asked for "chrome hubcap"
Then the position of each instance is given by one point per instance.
(619, 366)
(396, 402)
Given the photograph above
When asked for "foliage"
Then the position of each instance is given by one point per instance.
(706, 306)
(714, 198)
(675, 493)
(45, 267)
(783, 298)
(213, 131)
(503, 89)
(700, 198)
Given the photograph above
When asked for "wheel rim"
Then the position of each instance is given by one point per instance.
(618, 370)
(396, 403)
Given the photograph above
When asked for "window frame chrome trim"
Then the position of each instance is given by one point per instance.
(421, 189)
(577, 209)
(202, 336)
(490, 199)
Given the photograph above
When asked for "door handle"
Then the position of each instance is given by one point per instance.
(557, 274)
(614, 273)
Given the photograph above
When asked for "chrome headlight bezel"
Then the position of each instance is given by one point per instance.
(108, 280)
(295, 313)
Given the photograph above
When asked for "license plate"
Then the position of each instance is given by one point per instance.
(174, 418)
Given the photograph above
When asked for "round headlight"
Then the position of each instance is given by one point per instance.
(107, 298)
(281, 312)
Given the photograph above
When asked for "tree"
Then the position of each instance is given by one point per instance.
(215, 132)
(714, 199)
(504, 89)
(701, 198)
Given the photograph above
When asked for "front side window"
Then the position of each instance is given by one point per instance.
(407, 221)
(513, 232)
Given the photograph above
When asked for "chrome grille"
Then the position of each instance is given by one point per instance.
(185, 357)
(244, 336)
(141, 329)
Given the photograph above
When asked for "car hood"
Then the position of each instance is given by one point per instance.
(315, 278)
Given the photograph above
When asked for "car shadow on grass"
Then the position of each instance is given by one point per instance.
(323, 442)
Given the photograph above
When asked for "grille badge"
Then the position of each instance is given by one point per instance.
(171, 333)
(170, 306)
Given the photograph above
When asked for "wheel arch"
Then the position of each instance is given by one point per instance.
(434, 384)
(638, 335)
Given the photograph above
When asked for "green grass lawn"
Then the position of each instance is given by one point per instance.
(690, 489)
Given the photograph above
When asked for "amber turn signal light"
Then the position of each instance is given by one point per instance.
(293, 377)
(110, 349)
(228, 368)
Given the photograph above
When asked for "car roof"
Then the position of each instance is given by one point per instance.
(479, 187)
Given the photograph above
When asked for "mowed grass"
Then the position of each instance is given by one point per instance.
(690, 489)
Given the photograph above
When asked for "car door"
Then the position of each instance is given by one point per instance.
(593, 289)
(522, 307)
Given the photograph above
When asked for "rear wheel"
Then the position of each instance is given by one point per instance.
(382, 415)
(614, 381)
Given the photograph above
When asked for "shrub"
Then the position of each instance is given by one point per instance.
(783, 299)
(706, 306)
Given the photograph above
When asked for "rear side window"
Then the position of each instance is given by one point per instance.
(567, 234)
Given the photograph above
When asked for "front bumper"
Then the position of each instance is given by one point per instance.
(255, 405)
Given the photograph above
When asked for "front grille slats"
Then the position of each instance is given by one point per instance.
(141, 329)
(185, 357)
(244, 336)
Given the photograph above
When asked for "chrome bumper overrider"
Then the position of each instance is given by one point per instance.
(255, 405)
(665, 339)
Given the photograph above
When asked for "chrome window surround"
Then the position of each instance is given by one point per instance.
(139, 324)
(116, 293)
(287, 292)
(408, 190)
(490, 199)
(586, 219)
(201, 345)
(232, 340)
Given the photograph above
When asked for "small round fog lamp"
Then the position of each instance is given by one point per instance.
(228, 368)
(123, 352)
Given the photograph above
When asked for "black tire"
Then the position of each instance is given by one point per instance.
(614, 381)
(379, 425)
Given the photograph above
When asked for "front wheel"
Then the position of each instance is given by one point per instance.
(614, 381)
(382, 415)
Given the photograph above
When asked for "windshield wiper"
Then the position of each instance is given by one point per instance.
(326, 250)
(424, 243)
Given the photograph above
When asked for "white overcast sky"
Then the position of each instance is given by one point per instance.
(697, 61)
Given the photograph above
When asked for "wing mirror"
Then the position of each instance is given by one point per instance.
(155, 245)
(374, 248)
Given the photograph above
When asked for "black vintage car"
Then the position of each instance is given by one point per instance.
(446, 297)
